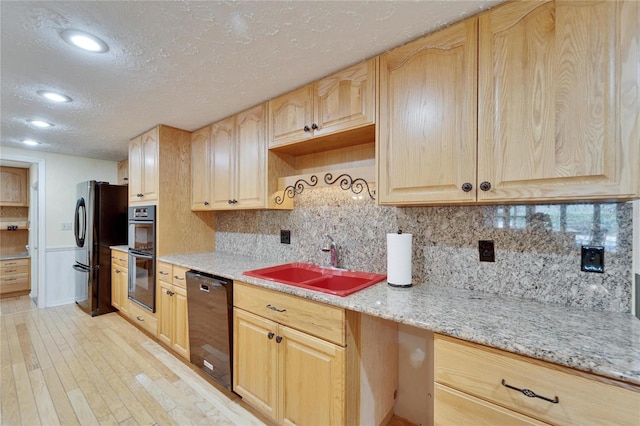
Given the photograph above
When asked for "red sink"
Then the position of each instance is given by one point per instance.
(327, 280)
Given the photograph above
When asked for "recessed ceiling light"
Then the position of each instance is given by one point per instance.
(84, 41)
(40, 123)
(53, 96)
(30, 142)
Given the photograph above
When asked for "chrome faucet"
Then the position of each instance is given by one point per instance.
(333, 252)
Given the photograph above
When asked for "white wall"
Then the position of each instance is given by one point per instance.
(62, 174)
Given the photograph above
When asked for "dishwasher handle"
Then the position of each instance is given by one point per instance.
(201, 283)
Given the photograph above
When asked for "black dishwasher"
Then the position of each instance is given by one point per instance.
(210, 306)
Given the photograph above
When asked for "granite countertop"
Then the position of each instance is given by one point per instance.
(603, 343)
(15, 256)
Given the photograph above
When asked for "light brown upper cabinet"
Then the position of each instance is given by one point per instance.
(14, 187)
(427, 123)
(341, 102)
(558, 108)
(229, 163)
(559, 101)
(143, 168)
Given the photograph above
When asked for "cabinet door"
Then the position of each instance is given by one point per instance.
(123, 284)
(135, 169)
(123, 172)
(288, 116)
(180, 322)
(427, 124)
(116, 290)
(255, 366)
(222, 167)
(251, 158)
(165, 312)
(346, 99)
(556, 116)
(149, 149)
(452, 407)
(14, 186)
(312, 387)
(201, 169)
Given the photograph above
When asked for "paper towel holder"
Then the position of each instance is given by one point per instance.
(407, 285)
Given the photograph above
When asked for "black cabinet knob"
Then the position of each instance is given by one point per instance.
(314, 126)
(278, 339)
(270, 335)
(206, 203)
(230, 201)
(306, 129)
(466, 187)
(485, 186)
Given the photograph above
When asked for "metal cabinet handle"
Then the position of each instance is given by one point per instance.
(206, 203)
(10, 270)
(117, 271)
(278, 339)
(270, 335)
(530, 393)
(139, 318)
(163, 273)
(170, 293)
(178, 278)
(485, 186)
(314, 126)
(466, 187)
(273, 308)
(306, 129)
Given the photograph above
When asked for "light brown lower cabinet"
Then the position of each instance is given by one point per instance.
(119, 281)
(302, 362)
(475, 385)
(15, 276)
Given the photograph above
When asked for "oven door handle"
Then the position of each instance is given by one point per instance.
(140, 255)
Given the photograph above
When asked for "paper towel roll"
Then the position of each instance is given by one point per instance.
(399, 255)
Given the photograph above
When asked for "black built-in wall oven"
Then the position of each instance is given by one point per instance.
(142, 256)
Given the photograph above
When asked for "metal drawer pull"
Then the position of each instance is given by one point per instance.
(178, 278)
(530, 393)
(163, 273)
(139, 318)
(273, 308)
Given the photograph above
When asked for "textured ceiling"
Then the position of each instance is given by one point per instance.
(181, 63)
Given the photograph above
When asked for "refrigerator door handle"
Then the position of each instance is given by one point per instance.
(81, 268)
(80, 229)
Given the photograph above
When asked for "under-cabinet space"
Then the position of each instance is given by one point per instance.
(352, 168)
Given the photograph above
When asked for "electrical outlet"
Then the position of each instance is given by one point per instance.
(285, 236)
(486, 251)
(592, 259)
(66, 227)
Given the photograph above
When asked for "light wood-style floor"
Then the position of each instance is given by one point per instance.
(60, 366)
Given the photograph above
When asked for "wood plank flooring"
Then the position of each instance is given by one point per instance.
(59, 366)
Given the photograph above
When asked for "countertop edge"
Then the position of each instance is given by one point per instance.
(231, 266)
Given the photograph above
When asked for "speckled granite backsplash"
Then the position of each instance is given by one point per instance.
(537, 246)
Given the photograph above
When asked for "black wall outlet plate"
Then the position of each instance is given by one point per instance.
(592, 259)
(486, 251)
(285, 236)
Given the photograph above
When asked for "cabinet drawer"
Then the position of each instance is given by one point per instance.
(14, 263)
(480, 371)
(317, 319)
(120, 258)
(179, 276)
(14, 282)
(164, 271)
(142, 318)
(453, 407)
(13, 270)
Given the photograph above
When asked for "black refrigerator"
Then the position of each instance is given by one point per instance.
(100, 221)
